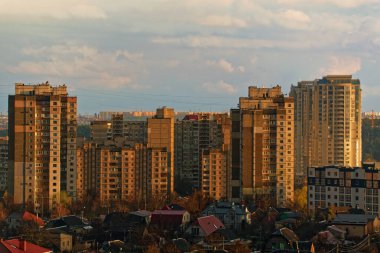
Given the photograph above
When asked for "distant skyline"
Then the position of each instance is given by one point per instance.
(191, 55)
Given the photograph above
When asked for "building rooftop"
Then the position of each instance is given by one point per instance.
(20, 246)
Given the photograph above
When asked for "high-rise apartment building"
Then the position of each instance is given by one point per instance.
(263, 145)
(117, 171)
(195, 134)
(135, 132)
(122, 173)
(161, 135)
(327, 122)
(3, 163)
(42, 144)
(117, 123)
(101, 131)
(214, 174)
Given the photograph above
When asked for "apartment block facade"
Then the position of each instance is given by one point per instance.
(263, 145)
(101, 131)
(327, 123)
(3, 163)
(214, 174)
(122, 173)
(42, 144)
(161, 135)
(335, 186)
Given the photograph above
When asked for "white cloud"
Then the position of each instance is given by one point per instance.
(67, 9)
(206, 41)
(222, 64)
(339, 65)
(292, 19)
(224, 21)
(338, 3)
(219, 87)
(89, 65)
(226, 66)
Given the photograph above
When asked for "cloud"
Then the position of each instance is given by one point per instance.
(89, 65)
(224, 21)
(225, 66)
(219, 87)
(210, 41)
(67, 9)
(339, 65)
(292, 19)
(338, 3)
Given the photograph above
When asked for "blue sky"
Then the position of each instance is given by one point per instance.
(192, 55)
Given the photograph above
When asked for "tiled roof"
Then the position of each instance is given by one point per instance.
(209, 224)
(31, 217)
(16, 245)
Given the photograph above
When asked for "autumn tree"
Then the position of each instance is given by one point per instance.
(170, 248)
(238, 247)
(152, 249)
(195, 203)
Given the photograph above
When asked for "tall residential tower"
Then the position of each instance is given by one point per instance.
(42, 145)
(263, 145)
(327, 122)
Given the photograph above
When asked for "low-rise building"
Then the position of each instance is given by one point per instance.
(235, 217)
(333, 186)
(357, 225)
(16, 219)
(170, 219)
(204, 226)
(21, 246)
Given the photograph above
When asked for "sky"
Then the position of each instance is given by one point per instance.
(193, 55)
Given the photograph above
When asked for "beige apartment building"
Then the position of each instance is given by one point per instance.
(327, 122)
(161, 135)
(42, 145)
(214, 174)
(263, 132)
(117, 171)
(122, 173)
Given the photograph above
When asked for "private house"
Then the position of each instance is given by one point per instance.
(282, 239)
(204, 226)
(170, 219)
(120, 226)
(60, 240)
(16, 219)
(21, 246)
(357, 225)
(82, 237)
(235, 217)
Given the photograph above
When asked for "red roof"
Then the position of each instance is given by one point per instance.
(31, 217)
(21, 246)
(191, 117)
(209, 224)
(167, 218)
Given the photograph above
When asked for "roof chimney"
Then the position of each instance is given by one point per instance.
(23, 244)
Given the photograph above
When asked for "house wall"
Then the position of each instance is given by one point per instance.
(354, 230)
